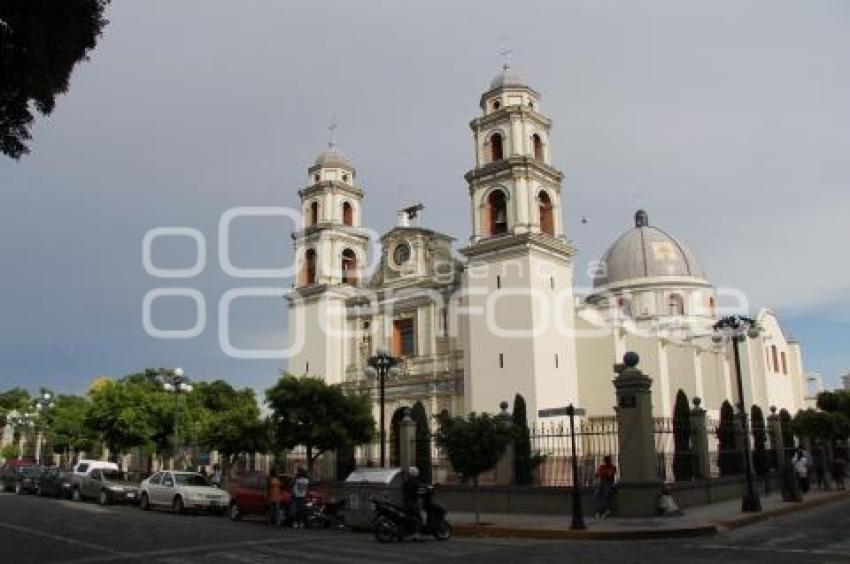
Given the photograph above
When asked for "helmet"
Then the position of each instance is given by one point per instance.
(413, 472)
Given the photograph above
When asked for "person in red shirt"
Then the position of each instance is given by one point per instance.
(605, 475)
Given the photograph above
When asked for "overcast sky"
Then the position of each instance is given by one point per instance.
(729, 121)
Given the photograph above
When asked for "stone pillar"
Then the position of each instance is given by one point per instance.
(699, 442)
(407, 441)
(640, 486)
(505, 466)
(787, 480)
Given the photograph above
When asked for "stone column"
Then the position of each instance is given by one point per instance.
(640, 486)
(699, 442)
(787, 480)
(505, 466)
(407, 441)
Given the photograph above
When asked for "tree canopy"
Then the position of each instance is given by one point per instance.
(67, 425)
(40, 43)
(308, 412)
(15, 399)
(820, 425)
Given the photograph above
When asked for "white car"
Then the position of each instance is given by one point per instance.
(181, 491)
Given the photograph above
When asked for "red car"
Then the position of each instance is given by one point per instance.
(249, 497)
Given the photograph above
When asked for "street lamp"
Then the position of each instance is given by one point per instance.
(43, 404)
(176, 383)
(578, 514)
(737, 328)
(379, 367)
(26, 420)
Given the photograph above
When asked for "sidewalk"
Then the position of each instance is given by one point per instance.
(697, 521)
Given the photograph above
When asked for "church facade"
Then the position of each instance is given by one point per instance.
(476, 326)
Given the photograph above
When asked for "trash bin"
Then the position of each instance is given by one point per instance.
(365, 484)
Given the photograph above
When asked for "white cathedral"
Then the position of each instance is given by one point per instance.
(474, 329)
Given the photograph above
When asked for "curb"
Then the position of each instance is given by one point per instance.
(712, 528)
(793, 507)
(486, 531)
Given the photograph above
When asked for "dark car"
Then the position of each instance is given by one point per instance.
(54, 482)
(22, 479)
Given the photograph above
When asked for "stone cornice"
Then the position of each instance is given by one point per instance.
(516, 166)
(337, 229)
(509, 112)
(520, 244)
(512, 87)
(334, 186)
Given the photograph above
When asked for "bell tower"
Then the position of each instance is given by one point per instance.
(330, 256)
(518, 281)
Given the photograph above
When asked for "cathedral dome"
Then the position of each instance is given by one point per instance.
(646, 252)
(332, 158)
(508, 77)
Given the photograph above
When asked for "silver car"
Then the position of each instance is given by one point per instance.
(182, 491)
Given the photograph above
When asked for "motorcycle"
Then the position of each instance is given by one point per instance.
(393, 523)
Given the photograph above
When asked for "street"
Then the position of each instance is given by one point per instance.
(45, 530)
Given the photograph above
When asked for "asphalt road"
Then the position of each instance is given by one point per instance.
(44, 530)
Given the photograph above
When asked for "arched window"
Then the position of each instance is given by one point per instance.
(547, 222)
(712, 306)
(316, 177)
(345, 178)
(497, 213)
(309, 267)
(784, 362)
(496, 104)
(347, 214)
(775, 354)
(496, 153)
(314, 213)
(538, 147)
(675, 305)
(349, 267)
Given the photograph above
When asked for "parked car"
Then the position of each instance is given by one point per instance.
(81, 477)
(54, 482)
(22, 479)
(182, 491)
(9, 473)
(107, 486)
(249, 496)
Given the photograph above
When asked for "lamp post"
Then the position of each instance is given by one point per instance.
(578, 514)
(25, 420)
(379, 367)
(43, 404)
(176, 383)
(737, 328)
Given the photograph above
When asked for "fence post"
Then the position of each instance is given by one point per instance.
(699, 441)
(505, 466)
(407, 441)
(640, 487)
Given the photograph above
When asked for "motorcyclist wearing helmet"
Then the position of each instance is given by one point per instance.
(411, 490)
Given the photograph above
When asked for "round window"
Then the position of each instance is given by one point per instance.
(401, 254)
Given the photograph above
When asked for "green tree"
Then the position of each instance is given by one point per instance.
(127, 415)
(837, 401)
(729, 456)
(15, 399)
(40, 43)
(683, 467)
(524, 462)
(474, 445)
(227, 420)
(10, 452)
(307, 412)
(67, 428)
(423, 440)
(760, 458)
(824, 425)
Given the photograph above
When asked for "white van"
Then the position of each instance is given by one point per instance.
(86, 466)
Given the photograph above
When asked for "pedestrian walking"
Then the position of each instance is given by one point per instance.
(605, 475)
(819, 463)
(839, 470)
(215, 480)
(801, 470)
(274, 496)
(286, 504)
(299, 494)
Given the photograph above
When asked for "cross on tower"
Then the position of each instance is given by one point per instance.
(505, 53)
(332, 132)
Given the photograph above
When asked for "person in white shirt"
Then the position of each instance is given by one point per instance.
(299, 495)
(801, 469)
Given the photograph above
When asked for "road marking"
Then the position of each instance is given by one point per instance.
(60, 538)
